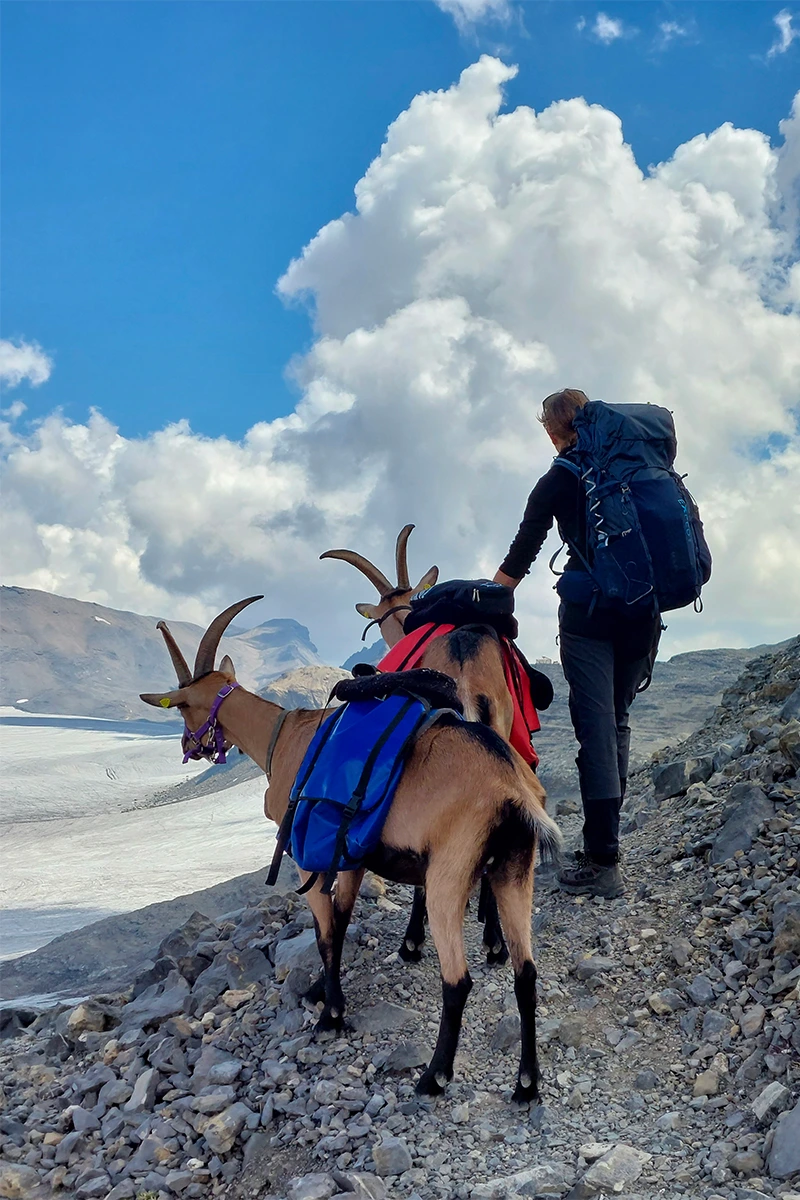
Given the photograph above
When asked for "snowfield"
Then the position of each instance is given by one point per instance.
(69, 855)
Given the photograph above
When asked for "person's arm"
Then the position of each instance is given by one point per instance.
(506, 580)
(534, 528)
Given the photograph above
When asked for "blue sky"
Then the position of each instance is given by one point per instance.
(163, 163)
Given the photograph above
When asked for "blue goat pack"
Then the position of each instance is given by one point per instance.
(347, 781)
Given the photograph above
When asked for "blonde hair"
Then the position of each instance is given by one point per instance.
(558, 412)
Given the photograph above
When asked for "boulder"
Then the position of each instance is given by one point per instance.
(612, 1173)
(790, 710)
(312, 1187)
(392, 1157)
(675, 778)
(222, 1130)
(18, 1182)
(381, 1017)
(790, 743)
(748, 806)
(300, 951)
(544, 1179)
(784, 1157)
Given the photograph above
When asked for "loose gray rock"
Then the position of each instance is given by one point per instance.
(593, 965)
(506, 1032)
(143, 1096)
(382, 1016)
(312, 1187)
(221, 1131)
(752, 1020)
(300, 951)
(612, 1173)
(701, 991)
(156, 1003)
(750, 808)
(772, 1100)
(784, 1157)
(544, 1179)
(391, 1157)
(18, 1182)
(571, 1030)
(790, 710)
(407, 1056)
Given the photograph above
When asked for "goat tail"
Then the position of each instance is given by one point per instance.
(531, 800)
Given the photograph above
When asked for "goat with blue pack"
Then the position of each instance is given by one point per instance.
(450, 803)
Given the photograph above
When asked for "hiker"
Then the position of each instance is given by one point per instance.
(607, 649)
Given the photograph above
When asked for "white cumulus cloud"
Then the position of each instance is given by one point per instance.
(786, 33)
(468, 13)
(491, 257)
(608, 29)
(21, 360)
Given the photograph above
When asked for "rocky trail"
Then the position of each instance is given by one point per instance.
(669, 1026)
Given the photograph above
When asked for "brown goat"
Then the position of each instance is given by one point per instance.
(473, 658)
(466, 803)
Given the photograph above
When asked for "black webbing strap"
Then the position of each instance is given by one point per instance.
(285, 828)
(425, 637)
(273, 741)
(429, 718)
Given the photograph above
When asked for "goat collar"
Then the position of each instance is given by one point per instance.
(214, 749)
(379, 620)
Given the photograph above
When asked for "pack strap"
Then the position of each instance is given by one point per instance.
(273, 741)
(285, 827)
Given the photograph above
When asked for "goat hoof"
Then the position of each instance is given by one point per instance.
(526, 1091)
(431, 1083)
(409, 952)
(496, 956)
(330, 1021)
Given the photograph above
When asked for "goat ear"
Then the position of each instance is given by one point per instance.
(227, 667)
(163, 699)
(367, 611)
(428, 580)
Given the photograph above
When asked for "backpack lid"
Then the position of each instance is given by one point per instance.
(623, 438)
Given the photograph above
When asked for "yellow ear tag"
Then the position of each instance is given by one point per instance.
(164, 702)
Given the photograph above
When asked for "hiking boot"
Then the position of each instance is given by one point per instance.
(589, 878)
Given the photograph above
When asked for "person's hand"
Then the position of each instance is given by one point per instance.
(501, 577)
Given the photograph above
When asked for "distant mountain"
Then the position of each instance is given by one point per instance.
(72, 657)
(685, 691)
(368, 654)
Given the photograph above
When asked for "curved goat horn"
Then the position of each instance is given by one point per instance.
(178, 661)
(401, 557)
(376, 577)
(207, 649)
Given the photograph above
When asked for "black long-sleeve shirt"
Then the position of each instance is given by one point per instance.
(559, 496)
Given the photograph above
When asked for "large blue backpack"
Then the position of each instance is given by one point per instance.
(644, 535)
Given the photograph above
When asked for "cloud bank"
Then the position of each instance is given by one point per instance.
(491, 258)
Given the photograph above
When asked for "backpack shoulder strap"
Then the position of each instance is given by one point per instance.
(571, 466)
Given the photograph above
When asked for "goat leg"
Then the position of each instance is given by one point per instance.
(331, 918)
(514, 892)
(414, 936)
(447, 901)
(493, 940)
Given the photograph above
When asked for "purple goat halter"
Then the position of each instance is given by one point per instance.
(214, 750)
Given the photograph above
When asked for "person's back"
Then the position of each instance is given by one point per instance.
(608, 642)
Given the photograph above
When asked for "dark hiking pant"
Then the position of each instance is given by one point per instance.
(604, 675)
